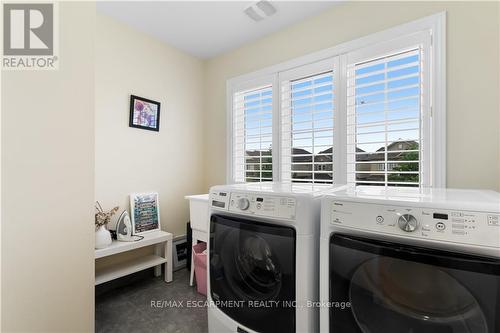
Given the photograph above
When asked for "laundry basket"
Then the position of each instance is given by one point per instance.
(200, 267)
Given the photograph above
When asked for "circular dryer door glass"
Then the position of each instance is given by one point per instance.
(412, 297)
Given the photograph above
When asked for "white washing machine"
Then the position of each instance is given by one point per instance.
(410, 260)
(263, 257)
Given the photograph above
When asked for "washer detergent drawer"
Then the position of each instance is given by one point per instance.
(252, 272)
(413, 289)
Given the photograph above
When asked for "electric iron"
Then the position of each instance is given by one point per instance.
(124, 229)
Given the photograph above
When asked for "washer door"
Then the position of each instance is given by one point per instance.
(415, 295)
(252, 265)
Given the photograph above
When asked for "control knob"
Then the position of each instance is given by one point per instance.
(408, 223)
(243, 203)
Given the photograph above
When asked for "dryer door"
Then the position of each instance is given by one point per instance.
(400, 288)
(252, 272)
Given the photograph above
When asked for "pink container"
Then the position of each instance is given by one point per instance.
(200, 267)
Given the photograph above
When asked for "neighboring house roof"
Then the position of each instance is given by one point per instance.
(362, 157)
(327, 151)
(256, 155)
(395, 146)
(325, 155)
(375, 156)
(301, 159)
(253, 152)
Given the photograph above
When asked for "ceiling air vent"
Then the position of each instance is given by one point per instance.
(260, 10)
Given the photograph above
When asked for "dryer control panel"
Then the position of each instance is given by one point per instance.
(465, 227)
(258, 204)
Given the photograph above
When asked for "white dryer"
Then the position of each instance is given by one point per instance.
(263, 257)
(410, 260)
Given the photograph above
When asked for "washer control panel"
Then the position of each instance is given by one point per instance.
(467, 227)
(219, 199)
(262, 205)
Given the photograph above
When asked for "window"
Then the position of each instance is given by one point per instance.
(253, 135)
(307, 111)
(384, 113)
(368, 112)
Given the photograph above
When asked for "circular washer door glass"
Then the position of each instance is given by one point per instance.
(393, 295)
(258, 268)
(252, 269)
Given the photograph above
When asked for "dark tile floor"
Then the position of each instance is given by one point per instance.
(125, 305)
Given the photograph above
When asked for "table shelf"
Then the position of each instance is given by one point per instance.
(150, 238)
(163, 255)
(124, 268)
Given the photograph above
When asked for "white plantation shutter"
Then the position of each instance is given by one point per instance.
(252, 134)
(307, 120)
(387, 115)
(369, 112)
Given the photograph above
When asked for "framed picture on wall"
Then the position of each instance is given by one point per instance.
(144, 113)
(145, 209)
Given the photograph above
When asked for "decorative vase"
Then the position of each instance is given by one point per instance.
(102, 238)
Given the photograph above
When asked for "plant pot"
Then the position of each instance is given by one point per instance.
(102, 238)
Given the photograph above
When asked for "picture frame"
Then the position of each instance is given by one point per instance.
(179, 252)
(144, 113)
(145, 212)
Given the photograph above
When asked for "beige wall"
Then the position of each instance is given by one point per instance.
(132, 160)
(48, 186)
(472, 79)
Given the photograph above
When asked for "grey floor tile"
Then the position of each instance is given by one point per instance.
(128, 308)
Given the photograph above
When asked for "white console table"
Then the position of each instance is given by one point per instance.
(163, 255)
(198, 212)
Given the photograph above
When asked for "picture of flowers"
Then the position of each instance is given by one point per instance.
(144, 113)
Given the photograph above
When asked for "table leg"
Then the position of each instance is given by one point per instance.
(191, 277)
(158, 252)
(168, 264)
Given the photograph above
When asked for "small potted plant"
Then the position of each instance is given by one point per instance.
(102, 218)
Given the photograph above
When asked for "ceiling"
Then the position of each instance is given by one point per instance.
(207, 28)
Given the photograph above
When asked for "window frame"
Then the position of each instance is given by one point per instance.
(395, 46)
(434, 24)
(330, 64)
(231, 91)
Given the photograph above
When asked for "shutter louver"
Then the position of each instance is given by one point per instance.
(384, 101)
(252, 135)
(307, 107)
